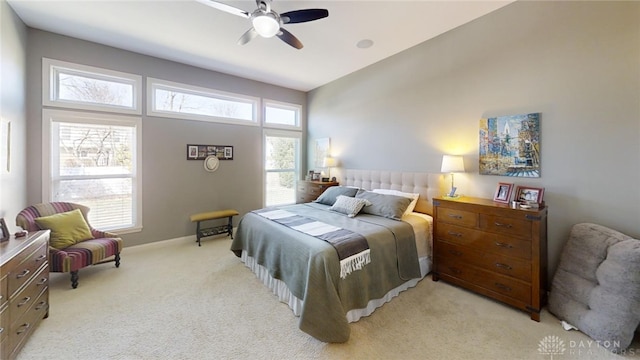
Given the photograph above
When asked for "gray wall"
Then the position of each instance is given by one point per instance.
(13, 53)
(173, 187)
(577, 63)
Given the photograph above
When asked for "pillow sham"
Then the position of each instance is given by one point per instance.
(389, 206)
(329, 196)
(412, 196)
(67, 228)
(349, 205)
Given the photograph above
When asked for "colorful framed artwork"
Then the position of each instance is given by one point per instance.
(526, 194)
(510, 146)
(503, 192)
(322, 150)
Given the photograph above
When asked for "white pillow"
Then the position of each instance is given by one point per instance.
(349, 205)
(412, 196)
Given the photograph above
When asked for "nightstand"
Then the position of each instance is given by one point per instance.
(308, 191)
(493, 250)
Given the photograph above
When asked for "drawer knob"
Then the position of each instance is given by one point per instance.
(42, 281)
(504, 245)
(41, 257)
(508, 226)
(23, 328)
(24, 301)
(1, 330)
(503, 266)
(41, 305)
(503, 287)
(453, 233)
(454, 216)
(24, 273)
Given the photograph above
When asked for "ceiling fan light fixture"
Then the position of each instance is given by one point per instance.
(266, 25)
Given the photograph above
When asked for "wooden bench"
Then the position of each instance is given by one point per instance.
(214, 230)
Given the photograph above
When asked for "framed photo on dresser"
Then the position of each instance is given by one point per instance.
(4, 231)
(503, 192)
(529, 194)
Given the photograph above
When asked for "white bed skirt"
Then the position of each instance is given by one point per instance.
(280, 289)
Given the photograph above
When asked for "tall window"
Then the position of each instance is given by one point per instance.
(92, 160)
(93, 157)
(282, 166)
(282, 142)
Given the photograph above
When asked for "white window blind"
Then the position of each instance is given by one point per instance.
(93, 159)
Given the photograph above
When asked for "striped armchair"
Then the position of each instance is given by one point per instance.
(104, 247)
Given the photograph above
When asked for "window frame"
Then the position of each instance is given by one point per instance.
(298, 161)
(154, 83)
(297, 108)
(70, 116)
(51, 67)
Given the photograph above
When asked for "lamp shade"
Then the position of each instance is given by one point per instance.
(452, 163)
(329, 162)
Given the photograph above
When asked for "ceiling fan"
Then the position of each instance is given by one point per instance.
(268, 23)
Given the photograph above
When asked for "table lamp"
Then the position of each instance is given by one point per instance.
(452, 164)
(329, 162)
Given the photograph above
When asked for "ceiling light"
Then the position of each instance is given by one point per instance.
(266, 25)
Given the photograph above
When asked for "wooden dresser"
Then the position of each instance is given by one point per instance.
(310, 190)
(493, 250)
(24, 289)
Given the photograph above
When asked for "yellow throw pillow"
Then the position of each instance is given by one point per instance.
(67, 228)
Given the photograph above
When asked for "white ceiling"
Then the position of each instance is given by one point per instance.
(192, 33)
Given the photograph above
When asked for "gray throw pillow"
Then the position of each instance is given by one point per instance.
(348, 205)
(389, 206)
(329, 196)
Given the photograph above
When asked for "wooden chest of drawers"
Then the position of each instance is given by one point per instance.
(24, 289)
(492, 249)
(310, 190)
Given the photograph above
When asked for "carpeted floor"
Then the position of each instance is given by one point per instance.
(175, 300)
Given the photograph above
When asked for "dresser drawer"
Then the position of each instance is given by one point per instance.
(25, 325)
(483, 241)
(25, 299)
(497, 283)
(458, 217)
(520, 269)
(506, 226)
(4, 324)
(4, 287)
(21, 271)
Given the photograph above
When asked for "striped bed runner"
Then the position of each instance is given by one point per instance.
(352, 248)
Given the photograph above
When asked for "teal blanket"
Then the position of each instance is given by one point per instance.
(310, 267)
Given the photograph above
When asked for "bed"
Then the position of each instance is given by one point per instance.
(309, 274)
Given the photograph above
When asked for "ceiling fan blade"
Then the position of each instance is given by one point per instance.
(299, 16)
(247, 36)
(225, 8)
(288, 37)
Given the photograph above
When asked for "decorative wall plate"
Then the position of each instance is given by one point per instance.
(211, 163)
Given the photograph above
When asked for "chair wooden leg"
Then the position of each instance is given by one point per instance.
(74, 279)
(117, 260)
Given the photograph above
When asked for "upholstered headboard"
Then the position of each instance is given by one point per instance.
(425, 184)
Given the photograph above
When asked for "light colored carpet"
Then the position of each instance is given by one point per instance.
(175, 300)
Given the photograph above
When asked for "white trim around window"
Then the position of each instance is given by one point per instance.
(175, 100)
(50, 154)
(122, 91)
(284, 115)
